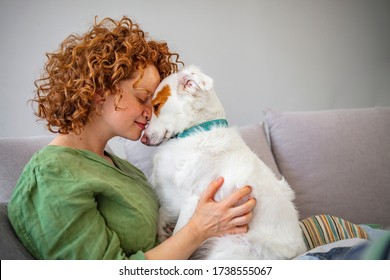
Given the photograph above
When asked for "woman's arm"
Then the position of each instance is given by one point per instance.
(211, 219)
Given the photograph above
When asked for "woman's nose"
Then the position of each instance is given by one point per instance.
(148, 111)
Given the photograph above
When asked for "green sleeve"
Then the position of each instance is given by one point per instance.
(56, 217)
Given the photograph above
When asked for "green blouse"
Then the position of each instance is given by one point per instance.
(72, 204)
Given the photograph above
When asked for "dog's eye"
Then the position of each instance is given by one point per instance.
(155, 107)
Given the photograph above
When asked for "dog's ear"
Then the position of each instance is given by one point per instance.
(192, 79)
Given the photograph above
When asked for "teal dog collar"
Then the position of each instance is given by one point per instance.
(206, 126)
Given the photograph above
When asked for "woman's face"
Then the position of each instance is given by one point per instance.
(135, 108)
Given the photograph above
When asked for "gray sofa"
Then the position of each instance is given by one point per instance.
(337, 162)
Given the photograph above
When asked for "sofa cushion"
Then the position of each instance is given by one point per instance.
(336, 161)
(11, 247)
(256, 139)
(324, 229)
(254, 136)
(15, 154)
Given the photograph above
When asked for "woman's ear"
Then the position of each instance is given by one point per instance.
(98, 95)
(98, 100)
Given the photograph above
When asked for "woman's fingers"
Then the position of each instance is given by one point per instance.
(229, 216)
(237, 196)
(242, 220)
(241, 215)
(212, 189)
(239, 230)
(234, 203)
(244, 208)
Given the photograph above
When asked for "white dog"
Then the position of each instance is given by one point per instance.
(197, 147)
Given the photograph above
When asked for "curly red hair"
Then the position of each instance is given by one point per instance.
(95, 62)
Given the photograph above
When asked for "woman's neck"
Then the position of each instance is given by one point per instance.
(92, 142)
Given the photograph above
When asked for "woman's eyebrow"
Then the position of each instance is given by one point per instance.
(148, 92)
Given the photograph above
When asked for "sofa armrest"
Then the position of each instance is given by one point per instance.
(10, 246)
(14, 155)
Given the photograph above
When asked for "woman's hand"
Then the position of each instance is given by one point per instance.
(213, 218)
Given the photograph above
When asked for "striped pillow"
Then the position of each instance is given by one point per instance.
(323, 229)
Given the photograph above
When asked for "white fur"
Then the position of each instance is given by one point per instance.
(183, 168)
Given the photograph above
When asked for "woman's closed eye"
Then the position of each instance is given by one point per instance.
(143, 96)
(142, 101)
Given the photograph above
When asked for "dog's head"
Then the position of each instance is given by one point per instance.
(181, 100)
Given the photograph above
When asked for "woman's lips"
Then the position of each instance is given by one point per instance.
(142, 125)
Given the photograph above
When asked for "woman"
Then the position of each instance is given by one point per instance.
(74, 200)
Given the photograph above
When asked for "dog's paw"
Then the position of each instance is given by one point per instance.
(164, 227)
(164, 232)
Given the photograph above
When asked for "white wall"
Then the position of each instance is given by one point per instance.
(289, 55)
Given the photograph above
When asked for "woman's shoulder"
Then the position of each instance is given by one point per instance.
(64, 160)
(57, 155)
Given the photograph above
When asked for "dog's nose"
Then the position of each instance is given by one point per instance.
(145, 139)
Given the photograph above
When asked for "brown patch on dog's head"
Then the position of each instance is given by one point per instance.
(160, 99)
